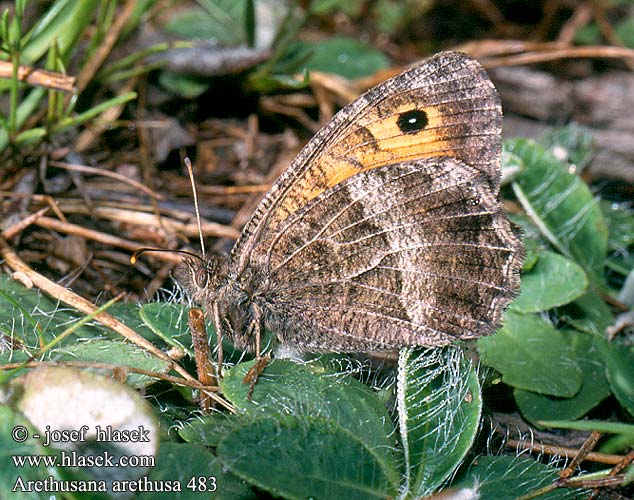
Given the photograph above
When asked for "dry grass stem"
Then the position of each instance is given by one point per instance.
(39, 77)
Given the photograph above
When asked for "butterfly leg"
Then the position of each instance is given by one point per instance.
(255, 328)
(218, 325)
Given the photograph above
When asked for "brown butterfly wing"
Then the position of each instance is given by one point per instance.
(415, 253)
(446, 106)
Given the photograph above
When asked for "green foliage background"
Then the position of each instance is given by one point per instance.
(324, 428)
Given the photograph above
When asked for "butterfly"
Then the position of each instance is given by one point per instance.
(385, 231)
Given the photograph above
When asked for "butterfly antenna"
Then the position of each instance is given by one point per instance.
(137, 253)
(190, 171)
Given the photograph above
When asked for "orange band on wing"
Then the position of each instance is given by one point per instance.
(373, 143)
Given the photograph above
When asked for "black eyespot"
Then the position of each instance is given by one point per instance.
(412, 121)
(201, 277)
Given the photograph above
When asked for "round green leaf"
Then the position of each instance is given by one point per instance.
(208, 429)
(222, 21)
(117, 353)
(310, 389)
(507, 478)
(553, 281)
(620, 220)
(300, 457)
(620, 372)
(594, 387)
(9, 473)
(561, 205)
(589, 313)
(572, 145)
(30, 316)
(531, 247)
(193, 472)
(531, 354)
(168, 322)
(186, 86)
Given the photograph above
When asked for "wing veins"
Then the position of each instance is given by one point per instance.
(425, 304)
(332, 219)
(440, 275)
(410, 224)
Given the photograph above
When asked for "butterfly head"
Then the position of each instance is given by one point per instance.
(202, 276)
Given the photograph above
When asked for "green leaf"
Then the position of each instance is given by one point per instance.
(15, 30)
(391, 15)
(30, 136)
(531, 354)
(620, 221)
(571, 145)
(168, 322)
(198, 474)
(343, 56)
(187, 86)
(208, 430)
(220, 20)
(589, 313)
(620, 371)
(129, 313)
(300, 457)
(4, 26)
(394, 15)
(311, 389)
(561, 205)
(116, 353)
(264, 82)
(532, 253)
(439, 406)
(621, 263)
(31, 316)
(9, 473)
(594, 387)
(508, 478)
(553, 281)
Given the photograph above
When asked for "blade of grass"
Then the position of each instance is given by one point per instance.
(93, 112)
(25, 110)
(66, 21)
(589, 425)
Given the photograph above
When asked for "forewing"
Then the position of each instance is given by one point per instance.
(446, 106)
(416, 253)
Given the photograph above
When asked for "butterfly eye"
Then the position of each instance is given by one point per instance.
(201, 277)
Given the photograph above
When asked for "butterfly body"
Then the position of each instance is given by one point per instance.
(386, 231)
